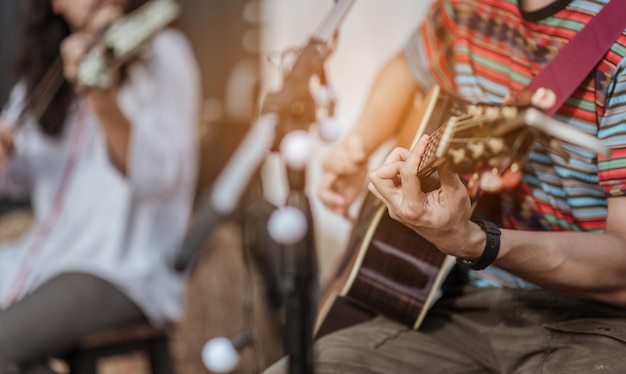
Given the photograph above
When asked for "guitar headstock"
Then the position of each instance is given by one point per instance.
(493, 136)
(486, 137)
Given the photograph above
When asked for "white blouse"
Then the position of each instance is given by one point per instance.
(88, 216)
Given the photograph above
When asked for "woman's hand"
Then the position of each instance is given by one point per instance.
(103, 102)
(73, 50)
(78, 44)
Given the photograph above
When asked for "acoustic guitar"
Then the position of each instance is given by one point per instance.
(388, 268)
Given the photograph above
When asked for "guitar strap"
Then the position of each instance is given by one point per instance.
(566, 71)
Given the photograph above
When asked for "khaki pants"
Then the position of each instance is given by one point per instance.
(484, 330)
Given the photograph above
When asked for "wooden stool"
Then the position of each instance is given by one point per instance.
(142, 347)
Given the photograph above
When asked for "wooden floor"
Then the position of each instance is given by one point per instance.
(216, 303)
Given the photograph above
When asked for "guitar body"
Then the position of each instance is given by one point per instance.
(388, 268)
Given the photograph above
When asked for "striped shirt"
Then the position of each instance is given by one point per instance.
(482, 50)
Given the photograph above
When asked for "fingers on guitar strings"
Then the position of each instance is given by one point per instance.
(398, 174)
(374, 191)
(387, 176)
(411, 185)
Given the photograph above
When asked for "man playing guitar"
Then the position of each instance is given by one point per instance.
(539, 285)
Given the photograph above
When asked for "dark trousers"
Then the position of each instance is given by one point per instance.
(484, 330)
(57, 315)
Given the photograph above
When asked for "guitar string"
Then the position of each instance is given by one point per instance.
(463, 122)
(466, 124)
(436, 136)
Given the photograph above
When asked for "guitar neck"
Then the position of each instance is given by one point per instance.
(490, 136)
(478, 136)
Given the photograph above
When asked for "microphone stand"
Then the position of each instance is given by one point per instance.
(290, 108)
(296, 110)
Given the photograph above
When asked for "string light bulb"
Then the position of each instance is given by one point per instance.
(296, 148)
(219, 355)
(287, 225)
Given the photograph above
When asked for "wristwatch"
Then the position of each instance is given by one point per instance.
(492, 247)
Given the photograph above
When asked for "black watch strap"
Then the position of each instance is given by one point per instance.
(492, 247)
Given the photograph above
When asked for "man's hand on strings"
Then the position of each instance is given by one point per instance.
(440, 216)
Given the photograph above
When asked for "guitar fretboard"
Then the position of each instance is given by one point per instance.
(455, 132)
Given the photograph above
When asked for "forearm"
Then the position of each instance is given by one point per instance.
(584, 265)
(115, 126)
(390, 97)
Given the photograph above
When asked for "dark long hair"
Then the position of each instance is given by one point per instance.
(43, 32)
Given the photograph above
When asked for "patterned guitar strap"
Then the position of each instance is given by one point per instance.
(567, 70)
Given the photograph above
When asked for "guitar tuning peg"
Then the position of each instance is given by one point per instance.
(509, 112)
(495, 145)
(492, 113)
(477, 149)
(457, 155)
(474, 110)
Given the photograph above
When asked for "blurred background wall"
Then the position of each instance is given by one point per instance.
(226, 38)
(372, 32)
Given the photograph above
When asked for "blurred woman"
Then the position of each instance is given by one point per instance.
(111, 175)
